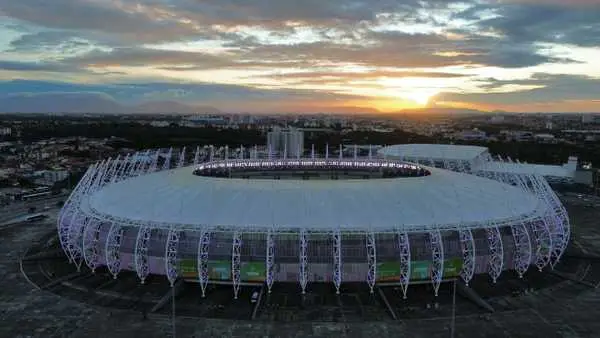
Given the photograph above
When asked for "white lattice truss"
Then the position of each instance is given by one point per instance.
(171, 260)
(270, 261)
(236, 262)
(539, 241)
(141, 253)
(404, 247)
(197, 156)
(552, 234)
(303, 260)
(202, 260)
(181, 162)
(113, 249)
(437, 260)
(467, 246)
(371, 260)
(91, 243)
(167, 160)
(337, 260)
(496, 260)
(522, 257)
(70, 210)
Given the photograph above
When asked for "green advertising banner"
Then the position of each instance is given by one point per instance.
(188, 268)
(452, 267)
(388, 271)
(221, 270)
(253, 271)
(419, 270)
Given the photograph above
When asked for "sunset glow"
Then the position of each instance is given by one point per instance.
(264, 56)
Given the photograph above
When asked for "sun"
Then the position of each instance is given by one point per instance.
(420, 97)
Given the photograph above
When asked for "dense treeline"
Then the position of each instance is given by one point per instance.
(532, 152)
(144, 136)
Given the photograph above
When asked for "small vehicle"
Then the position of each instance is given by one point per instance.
(34, 218)
(254, 297)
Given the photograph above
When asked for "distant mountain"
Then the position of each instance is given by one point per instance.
(333, 110)
(91, 103)
(442, 111)
(166, 107)
(59, 103)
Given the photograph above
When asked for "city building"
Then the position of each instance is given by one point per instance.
(288, 142)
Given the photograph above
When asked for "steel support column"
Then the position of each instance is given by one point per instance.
(112, 250)
(337, 260)
(141, 252)
(91, 244)
(522, 248)
(371, 260)
(181, 160)
(69, 210)
(437, 260)
(404, 246)
(543, 243)
(203, 247)
(154, 165)
(556, 219)
(167, 163)
(197, 155)
(171, 260)
(496, 253)
(467, 246)
(133, 164)
(75, 238)
(303, 273)
(270, 260)
(144, 164)
(236, 262)
(121, 170)
(113, 170)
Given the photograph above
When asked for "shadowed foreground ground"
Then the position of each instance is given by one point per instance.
(566, 309)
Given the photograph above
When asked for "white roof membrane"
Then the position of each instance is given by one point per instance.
(433, 151)
(179, 197)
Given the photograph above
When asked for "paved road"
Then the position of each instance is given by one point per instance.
(18, 207)
(19, 210)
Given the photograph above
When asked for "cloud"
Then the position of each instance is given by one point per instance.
(549, 88)
(132, 56)
(129, 21)
(185, 92)
(569, 22)
(342, 45)
(33, 66)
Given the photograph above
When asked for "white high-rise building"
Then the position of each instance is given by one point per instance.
(286, 142)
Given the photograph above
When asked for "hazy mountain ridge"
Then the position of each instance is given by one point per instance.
(101, 103)
(91, 103)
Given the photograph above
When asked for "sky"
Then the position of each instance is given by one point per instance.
(308, 55)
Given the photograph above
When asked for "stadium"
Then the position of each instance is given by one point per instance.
(401, 215)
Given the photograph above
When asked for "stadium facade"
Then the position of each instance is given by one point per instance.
(404, 214)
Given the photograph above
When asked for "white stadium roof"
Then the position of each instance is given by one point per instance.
(433, 151)
(528, 169)
(443, 198)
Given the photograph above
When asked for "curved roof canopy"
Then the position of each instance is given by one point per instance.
(433, 151)
(415, 203)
